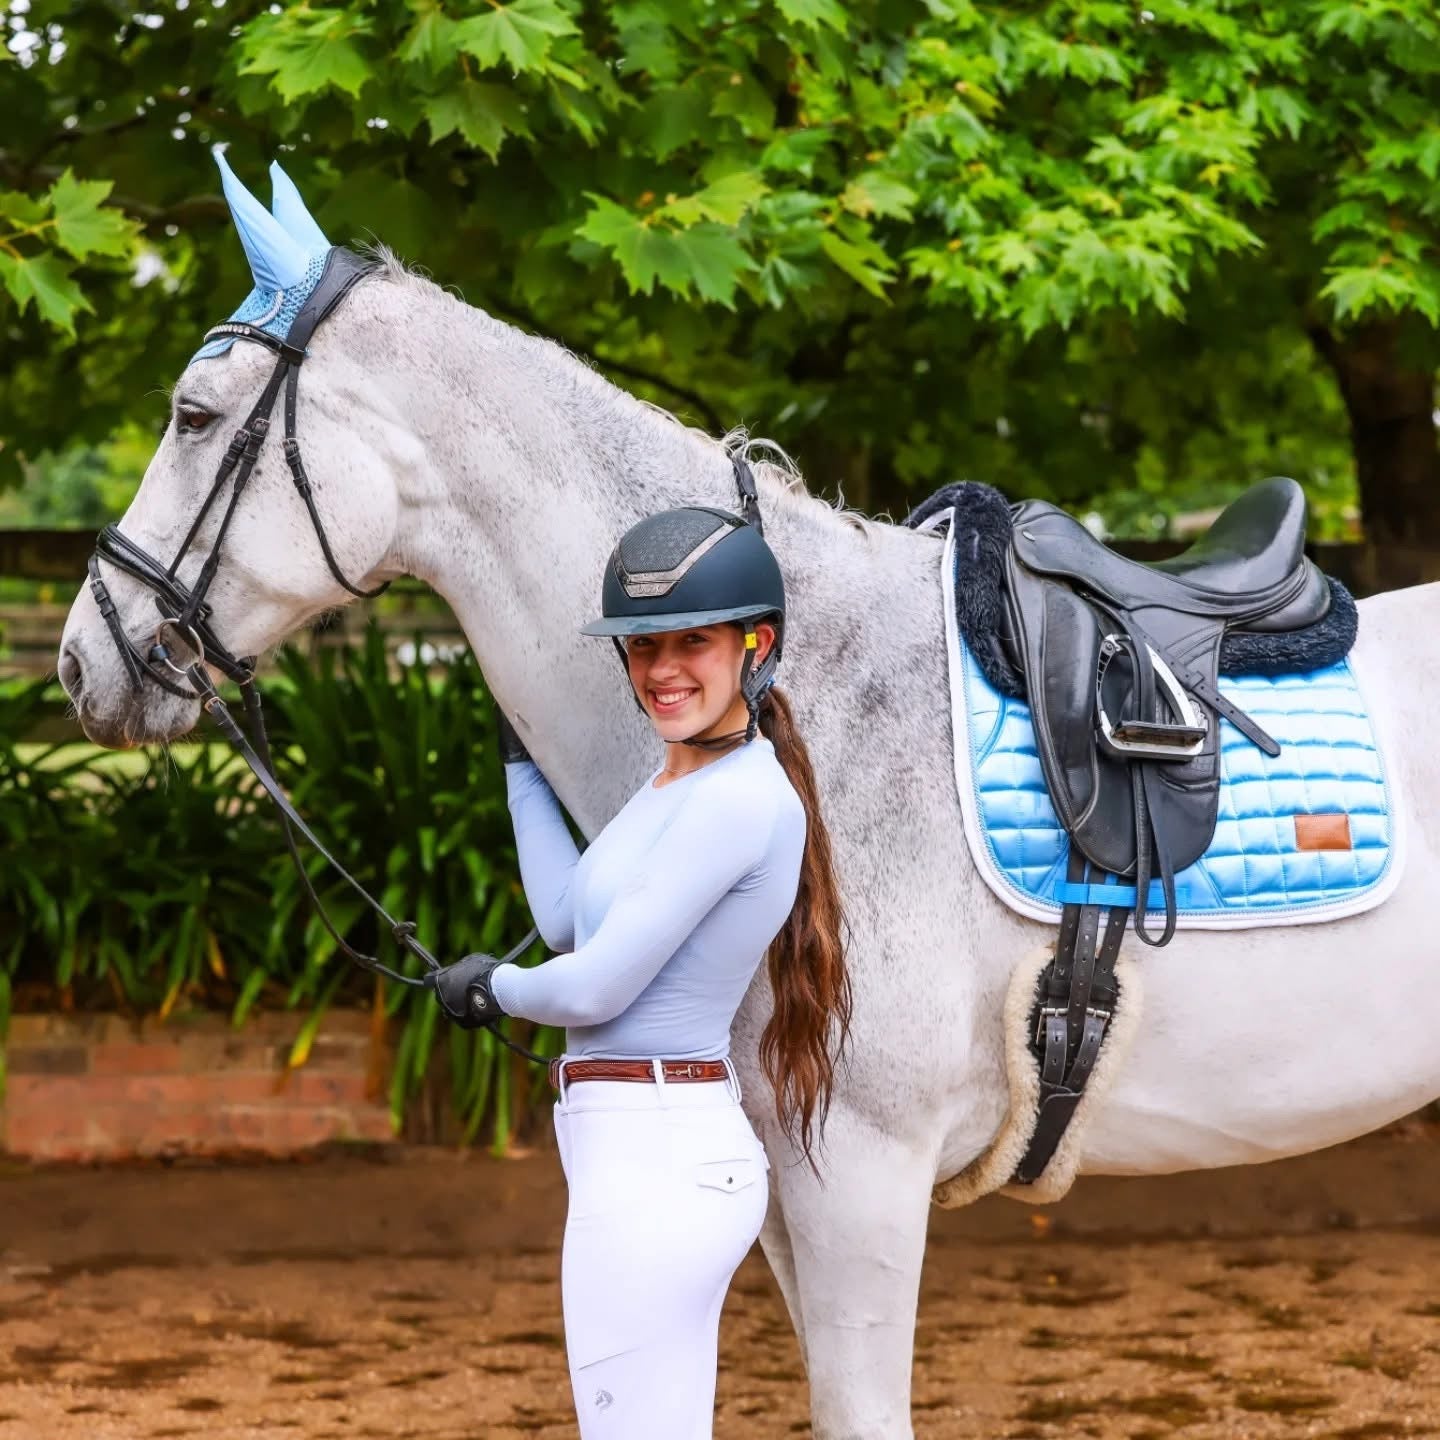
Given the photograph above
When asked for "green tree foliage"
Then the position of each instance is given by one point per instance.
(41, 238)
(1078, 247)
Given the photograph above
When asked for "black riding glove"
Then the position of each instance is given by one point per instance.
(463, 990)
(512, 747)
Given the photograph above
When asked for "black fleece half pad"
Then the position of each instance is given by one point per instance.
(982, 536)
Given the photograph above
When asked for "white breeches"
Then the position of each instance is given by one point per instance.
(667, 1194)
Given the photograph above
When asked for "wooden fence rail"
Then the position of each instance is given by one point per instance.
(45, 554)
(30, 632)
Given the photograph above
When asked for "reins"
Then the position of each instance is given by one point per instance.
(186, 615)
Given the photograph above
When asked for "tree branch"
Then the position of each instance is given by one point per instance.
(196, 207)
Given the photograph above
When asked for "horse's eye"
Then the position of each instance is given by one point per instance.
(192, 418)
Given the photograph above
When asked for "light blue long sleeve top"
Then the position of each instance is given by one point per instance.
(667, 913)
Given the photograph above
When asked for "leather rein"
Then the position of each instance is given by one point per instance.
(185, 624)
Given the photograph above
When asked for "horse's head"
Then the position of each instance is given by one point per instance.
(257, 566)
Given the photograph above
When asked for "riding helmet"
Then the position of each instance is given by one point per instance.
(689, 567)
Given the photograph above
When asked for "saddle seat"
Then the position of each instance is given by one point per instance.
(1249, 570)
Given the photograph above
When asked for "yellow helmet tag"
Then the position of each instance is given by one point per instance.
(750, 641)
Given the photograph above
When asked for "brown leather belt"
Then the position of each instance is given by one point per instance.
(674, 1070)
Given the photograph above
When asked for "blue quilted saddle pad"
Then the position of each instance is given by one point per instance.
(1306, 836)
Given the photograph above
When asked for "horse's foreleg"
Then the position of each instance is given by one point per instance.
(857, 1244)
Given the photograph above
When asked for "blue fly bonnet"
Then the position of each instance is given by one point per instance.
(286, 250)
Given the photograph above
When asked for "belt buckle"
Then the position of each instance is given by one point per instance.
(690, 1071)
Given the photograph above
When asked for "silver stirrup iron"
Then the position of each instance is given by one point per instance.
(1182, 741)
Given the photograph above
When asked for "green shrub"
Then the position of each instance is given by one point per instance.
(141, 887)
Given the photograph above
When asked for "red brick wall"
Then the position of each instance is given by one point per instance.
(104, 1087)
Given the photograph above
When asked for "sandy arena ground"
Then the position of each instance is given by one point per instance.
(416, 1294)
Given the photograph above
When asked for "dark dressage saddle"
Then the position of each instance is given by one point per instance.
(1119, 663)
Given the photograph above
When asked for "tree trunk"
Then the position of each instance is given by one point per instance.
(1391, 405)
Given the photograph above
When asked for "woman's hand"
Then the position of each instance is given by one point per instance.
(463, 990)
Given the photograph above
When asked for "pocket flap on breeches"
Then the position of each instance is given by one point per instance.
(727, 1174)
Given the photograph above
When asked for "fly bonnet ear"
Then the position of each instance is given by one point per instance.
(277, 259)
(290, 210)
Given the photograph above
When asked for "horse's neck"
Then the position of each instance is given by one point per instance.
(536, 467)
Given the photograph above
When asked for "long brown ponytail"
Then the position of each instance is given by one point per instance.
(806, 960)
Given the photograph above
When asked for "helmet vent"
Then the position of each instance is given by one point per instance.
(656, 555)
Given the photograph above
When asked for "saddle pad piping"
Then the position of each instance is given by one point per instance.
(1024, 903)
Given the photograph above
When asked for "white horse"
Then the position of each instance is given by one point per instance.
(499, 469)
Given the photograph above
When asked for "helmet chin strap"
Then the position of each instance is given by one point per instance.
(720, 742)
(754, 682)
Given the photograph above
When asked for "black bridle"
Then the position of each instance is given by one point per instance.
(186, 616)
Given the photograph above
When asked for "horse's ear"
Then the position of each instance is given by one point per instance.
(276, 261)
(290, 210)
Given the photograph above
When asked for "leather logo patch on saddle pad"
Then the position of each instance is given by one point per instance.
(1322, 832)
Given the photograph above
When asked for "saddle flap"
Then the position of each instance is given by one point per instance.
(1055, 637)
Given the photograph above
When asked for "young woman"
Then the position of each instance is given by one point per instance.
(719, 860)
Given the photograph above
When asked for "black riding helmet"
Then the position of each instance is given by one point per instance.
(689, 567)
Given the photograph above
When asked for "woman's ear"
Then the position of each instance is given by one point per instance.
(764, 640)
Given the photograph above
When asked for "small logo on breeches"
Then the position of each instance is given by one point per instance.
(603, 1398)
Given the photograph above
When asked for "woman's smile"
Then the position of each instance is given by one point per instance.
(672, 699)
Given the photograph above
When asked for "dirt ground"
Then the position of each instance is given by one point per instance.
(416, 1293)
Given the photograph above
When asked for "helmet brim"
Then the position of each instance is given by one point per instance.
(663, 624)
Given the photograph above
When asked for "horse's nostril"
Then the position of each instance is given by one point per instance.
(72, 677)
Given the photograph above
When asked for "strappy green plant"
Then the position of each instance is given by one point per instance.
(404, 777)
(153, 885)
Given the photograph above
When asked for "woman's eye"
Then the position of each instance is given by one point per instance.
(192, 418)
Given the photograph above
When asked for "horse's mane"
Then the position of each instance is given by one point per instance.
(775, 470)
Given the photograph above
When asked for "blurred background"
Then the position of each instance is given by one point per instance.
(1131, 259)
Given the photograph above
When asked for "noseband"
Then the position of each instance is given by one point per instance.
(185, 615)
